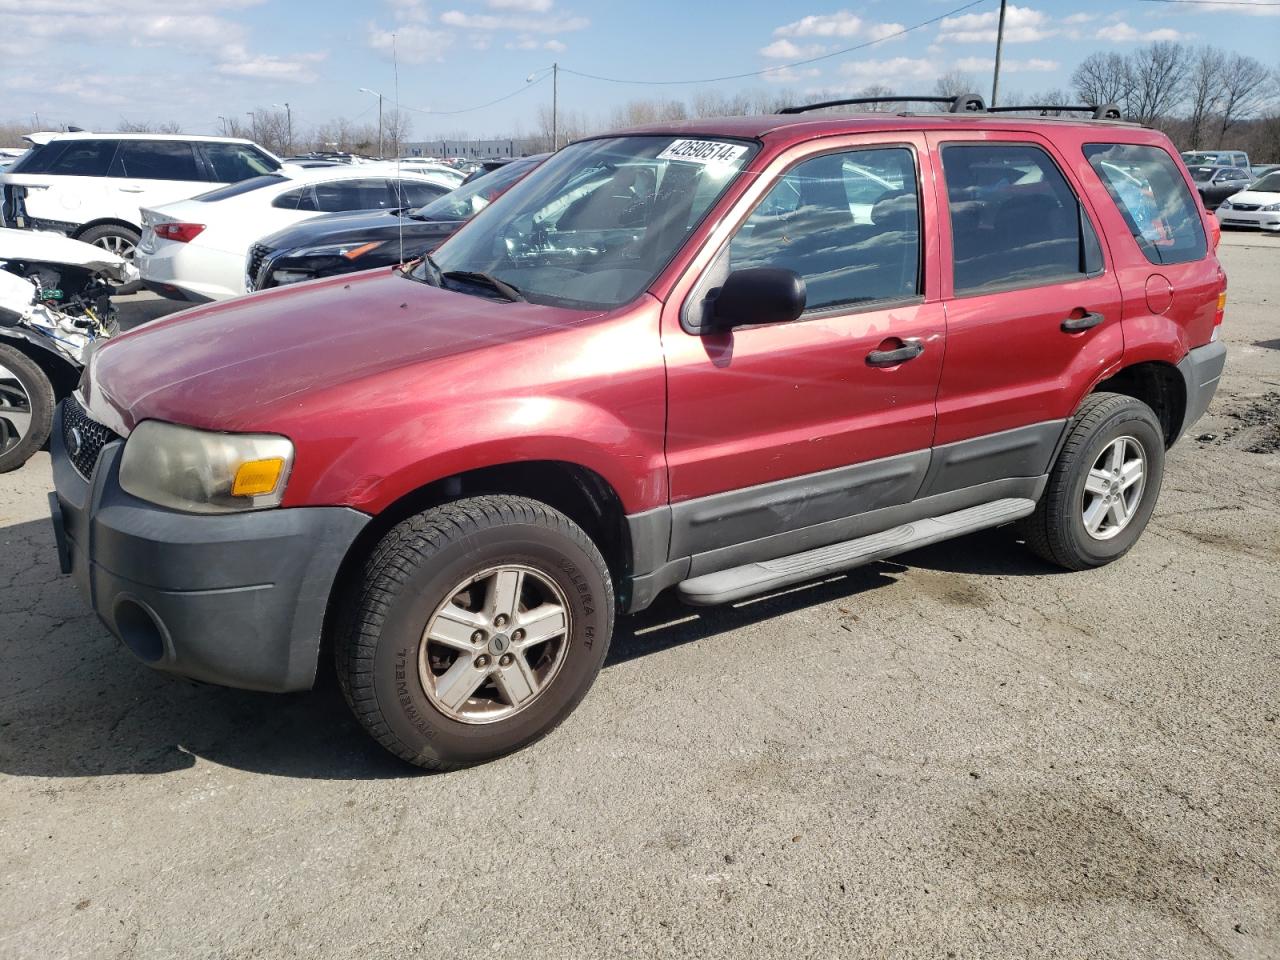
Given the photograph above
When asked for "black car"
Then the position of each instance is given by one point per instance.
(1216, 183)
(347, 242)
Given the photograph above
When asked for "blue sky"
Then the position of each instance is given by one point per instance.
(93, 62)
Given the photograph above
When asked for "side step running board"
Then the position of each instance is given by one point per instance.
(755, 578)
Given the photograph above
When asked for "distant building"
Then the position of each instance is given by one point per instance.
(473, 149)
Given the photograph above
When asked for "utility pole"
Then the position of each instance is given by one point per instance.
(995, 76)
(555, 107)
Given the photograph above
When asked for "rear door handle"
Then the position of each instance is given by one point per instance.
(909, 350)
(1076, 324)
(132, 189)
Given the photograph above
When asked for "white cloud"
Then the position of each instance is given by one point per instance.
(529, 6)
(842, 23)
(238, 62)
(987, 64)
(412, 43)
(783, 49)
(1078, 18)
(1123, 33)
(516, 23)
(790, 74)
(1021, 25)
(890, 70)
(555, 46)
(882, 31)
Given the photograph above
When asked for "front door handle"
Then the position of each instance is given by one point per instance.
(1084, 322)
(909, 350)
(132, 189)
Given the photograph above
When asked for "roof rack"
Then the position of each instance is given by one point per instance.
(964, 103)
(1102, 111)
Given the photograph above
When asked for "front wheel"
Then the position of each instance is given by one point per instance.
(26, 408)
(479, 626)
(1103, 487)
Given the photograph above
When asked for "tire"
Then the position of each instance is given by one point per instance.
(111, 236)
(394, 679)
(1059, 531)
(26, 395)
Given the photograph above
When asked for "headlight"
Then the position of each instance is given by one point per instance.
(1225, 205)
(1271, 207)
(348, 251)
(203, 472)
(282, 277)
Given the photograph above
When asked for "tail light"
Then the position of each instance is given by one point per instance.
(1222, 301)
(181, 232)
(1215, 230)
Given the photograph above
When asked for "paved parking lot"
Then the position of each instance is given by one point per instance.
(964, 753)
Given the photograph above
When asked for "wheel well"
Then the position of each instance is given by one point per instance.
(1159, 386)
(582, 495)
(62, 375)
(104, 222)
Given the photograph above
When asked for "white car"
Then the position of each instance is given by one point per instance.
(92, 186)
(432, 168)
(196, 249)
(1257, 207)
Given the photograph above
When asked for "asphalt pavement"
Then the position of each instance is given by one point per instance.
(963, 753)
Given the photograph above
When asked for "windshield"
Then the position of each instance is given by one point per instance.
(465, 202)
(236, 189)
(598, 221)
(1201, 174)
(1268, 184)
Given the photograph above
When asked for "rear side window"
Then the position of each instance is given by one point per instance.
(848, 223)
(155, 160)
(233, 162)
(84, 158)
(338, 195)
(1152, 196)
(244, 186)
(1015, 221)
(414, 193)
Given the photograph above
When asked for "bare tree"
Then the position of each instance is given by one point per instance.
(877, 90)
(146, 126)
(1158, 73)
(952, 84)
(1204, 92)
(397, 127)
(1246, 86)
(1103, 78)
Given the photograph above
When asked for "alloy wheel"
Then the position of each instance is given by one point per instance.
(1113, 488)
(495, 645)
(15, 410)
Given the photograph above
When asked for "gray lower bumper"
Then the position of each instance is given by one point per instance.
(1201, 370)
(234, 599)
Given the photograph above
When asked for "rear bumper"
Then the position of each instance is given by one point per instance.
(172, 292)
(232, 599)
(1201, 370)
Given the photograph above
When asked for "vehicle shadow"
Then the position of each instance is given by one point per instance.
(75, 703)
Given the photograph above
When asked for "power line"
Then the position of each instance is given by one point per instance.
(529, 84)
(1221, 3)
(785, 66)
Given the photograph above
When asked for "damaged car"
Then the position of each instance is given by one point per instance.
(55, 303)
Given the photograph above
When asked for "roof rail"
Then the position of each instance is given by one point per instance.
(1103, 111)
(964, 103)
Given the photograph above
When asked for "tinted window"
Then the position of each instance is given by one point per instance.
(1201, 174)
(336, 195)
(849, 223)
(1153, 198)
(84, 158)
(473, 197)
(233, 162)
(155, 160)
(244, 186)
(1268, 184)
(414, 193)
(1014, 218)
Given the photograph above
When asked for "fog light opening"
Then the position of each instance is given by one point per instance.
(140, 630)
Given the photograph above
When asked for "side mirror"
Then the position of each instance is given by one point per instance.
(758, 295)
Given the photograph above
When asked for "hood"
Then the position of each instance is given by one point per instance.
(38, 246)
(351, 227)
(229, 366)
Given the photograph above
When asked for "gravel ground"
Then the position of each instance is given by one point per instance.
(961, 754)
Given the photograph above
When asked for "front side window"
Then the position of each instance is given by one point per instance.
(233, 162)
(1015, 220)
(1267, 184)
(848, 223)
(414, 193)
(155, 160)
(1152, 196)
(597, 222)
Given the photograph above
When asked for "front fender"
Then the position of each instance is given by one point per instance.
(44, 352)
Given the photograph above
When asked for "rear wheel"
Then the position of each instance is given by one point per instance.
(1103, 487)
(26, 408)
(480, 625)
(117, 239)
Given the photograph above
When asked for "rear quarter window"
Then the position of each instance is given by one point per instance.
(1152, 196)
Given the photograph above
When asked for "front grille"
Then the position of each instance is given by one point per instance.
(1245, 206)
(83, 437)
(257, 253)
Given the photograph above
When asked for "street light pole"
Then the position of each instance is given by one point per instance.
(253, 125)
(555, 107)
(288, 113)
(995, 76)
(224, 124)
(379, 96)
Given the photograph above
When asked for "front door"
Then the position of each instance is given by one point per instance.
(775, 428)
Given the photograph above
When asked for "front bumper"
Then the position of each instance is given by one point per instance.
(1201, 370)
(1249, 219)
(233, 599)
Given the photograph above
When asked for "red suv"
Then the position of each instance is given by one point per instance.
(722, 356)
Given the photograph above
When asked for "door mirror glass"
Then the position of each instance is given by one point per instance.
(758, 295)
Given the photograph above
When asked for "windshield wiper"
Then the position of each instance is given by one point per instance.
(486, 279)
(430, 270)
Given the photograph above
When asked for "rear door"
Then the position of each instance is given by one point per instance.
(150, 173)
(1033, 307)
(65, 181)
